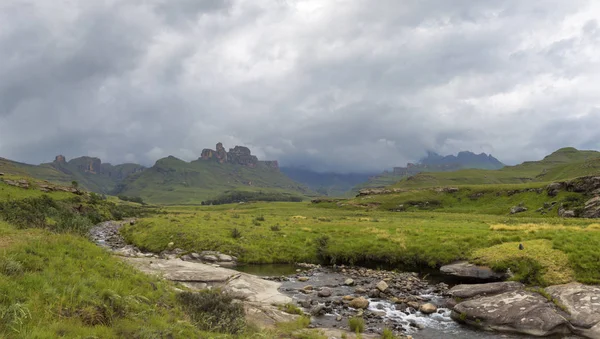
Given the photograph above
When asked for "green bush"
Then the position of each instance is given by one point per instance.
(357, 324)
(243, 196)
(214, 311)
(236, 233)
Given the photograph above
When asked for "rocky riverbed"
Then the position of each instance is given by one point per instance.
(404, 302)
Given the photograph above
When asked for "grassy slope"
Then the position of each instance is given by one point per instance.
(62, 285)
(565, 163)
(172, 181)
(477, 199)
(290, 232)
(89, 181)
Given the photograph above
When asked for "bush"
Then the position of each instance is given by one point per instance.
(357, 324)
(214, 311)
(75, 215)
(235, 233)
(243, 196)
(275, 228)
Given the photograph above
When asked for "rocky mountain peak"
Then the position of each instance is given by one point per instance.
(60, 159)
(239, 155)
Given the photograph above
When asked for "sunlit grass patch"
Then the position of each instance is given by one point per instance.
(554, 267)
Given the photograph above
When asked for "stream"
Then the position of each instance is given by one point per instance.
(398, 313)
(381, 312)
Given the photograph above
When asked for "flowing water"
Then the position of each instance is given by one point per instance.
(434, 326)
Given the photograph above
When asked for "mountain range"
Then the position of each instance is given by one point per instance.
(174, 181)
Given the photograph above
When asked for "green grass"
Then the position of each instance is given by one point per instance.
(357, 324)
(409, 240)
(63, 285)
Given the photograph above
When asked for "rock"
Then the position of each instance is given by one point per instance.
(382, 286)
(349, 282)
(1, 174)
(517, 311)
(193, 275)
(592, 208)
(308, 288)
(317, 310)
(225, 257)
(171, 244)
(564, 213)
(374, 293)
(359, 303)
(303, 279)
(338, 318)
(428, 308)
(360, 290)
(467, 270)
(583, 304)
(209, 258)
(127, 251)
(517, 209)
(324, 292)
(473, 290)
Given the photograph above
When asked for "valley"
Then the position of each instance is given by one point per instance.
(534, 223)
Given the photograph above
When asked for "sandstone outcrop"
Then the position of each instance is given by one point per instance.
(583, 305)
(466, 270)
(239, 155)
(517, 311)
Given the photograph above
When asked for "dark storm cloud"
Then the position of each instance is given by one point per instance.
(335, 85)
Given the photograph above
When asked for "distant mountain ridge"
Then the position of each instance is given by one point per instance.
(172, 180)
(434, 162)
(565, 163)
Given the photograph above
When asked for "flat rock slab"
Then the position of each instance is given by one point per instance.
(583, 304)
(517, 311)
(197, 275)
(467, 270)
(468, 291)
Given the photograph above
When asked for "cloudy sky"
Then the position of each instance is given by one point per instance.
(342, 85)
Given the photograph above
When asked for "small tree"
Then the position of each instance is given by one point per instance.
(75, 184)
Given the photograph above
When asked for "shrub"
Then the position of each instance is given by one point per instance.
(260, 218)
(322, 246)
(388, 334)
(275, 228)
(290, 308)
(214, 311)
(357, 324)
(236, 233)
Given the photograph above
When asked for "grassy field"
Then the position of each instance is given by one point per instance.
(55, 283)
(300, 232)
(478, 199)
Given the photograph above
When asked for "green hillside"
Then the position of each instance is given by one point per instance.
(90, 173)
(433, 162)
(174, 181)
(565, 163)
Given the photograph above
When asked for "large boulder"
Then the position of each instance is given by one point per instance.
(359, 302)
(592, 208)
(583, 305)
(464, 269)
(473, 290)
(518, 209)
(517, 311)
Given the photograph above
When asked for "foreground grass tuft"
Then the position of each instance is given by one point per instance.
(537, 264)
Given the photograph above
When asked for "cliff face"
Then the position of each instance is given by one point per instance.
(239, 155)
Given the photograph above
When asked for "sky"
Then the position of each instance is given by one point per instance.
(336, 85)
